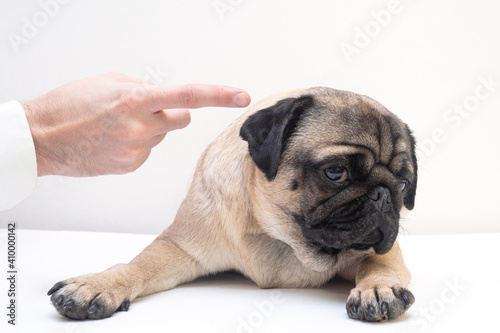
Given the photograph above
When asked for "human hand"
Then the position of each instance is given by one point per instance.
(108, 124)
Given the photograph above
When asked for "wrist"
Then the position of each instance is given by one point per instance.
(32, 112)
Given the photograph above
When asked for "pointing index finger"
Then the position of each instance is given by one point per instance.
(192, 96)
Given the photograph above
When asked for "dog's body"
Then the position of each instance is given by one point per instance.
(313, 191)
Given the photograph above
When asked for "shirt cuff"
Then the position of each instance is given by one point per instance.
(18, 169)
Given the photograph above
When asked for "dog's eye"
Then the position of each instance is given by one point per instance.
(336, 173)
(402, 184)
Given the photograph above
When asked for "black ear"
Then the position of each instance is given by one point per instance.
(268, 130)
(409, 199)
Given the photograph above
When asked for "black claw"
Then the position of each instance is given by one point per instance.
(405, 297)
(93, 308)
(69, 303)
(55, 288)
(385, 309)
(125, 305)
(354, 309)
(59, 300)
(371, 309)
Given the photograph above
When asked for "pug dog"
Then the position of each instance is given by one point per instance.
(307, 185)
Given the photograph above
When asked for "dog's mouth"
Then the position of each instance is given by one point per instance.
(373, 240)
(354, 227)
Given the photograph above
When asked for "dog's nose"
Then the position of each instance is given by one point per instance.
(382, 197)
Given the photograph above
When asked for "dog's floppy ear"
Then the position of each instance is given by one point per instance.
(268, 130)
(409, 199)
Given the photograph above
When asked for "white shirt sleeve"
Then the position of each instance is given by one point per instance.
(18, 170)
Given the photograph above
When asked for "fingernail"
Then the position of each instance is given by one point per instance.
(241, 99)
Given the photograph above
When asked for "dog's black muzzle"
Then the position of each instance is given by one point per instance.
(369, 221)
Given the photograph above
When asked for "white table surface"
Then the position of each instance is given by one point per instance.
(456, 282)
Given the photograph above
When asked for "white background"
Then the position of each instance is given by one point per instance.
(450, 295)
(420, 61)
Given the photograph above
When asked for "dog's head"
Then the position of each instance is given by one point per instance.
(335, 165)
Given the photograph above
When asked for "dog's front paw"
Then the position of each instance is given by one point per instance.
(378, 303)
(92, 296)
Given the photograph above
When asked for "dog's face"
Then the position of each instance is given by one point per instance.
(338, 166)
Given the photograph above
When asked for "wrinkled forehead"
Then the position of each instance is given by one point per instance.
(341, 123)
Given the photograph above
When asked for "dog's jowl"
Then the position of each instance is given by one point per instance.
(305, 186)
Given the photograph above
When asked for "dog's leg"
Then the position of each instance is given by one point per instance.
(161, 266)
(381, 288)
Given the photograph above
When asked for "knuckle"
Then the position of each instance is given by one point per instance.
(188, 96)
(136, 132)
(132, 160)
(126, 154)
(132, 131)
(128, 168)
(114, 74)
(116, 77)
(131, 99)
(128, 161)
(134, 97)
(119, 76)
